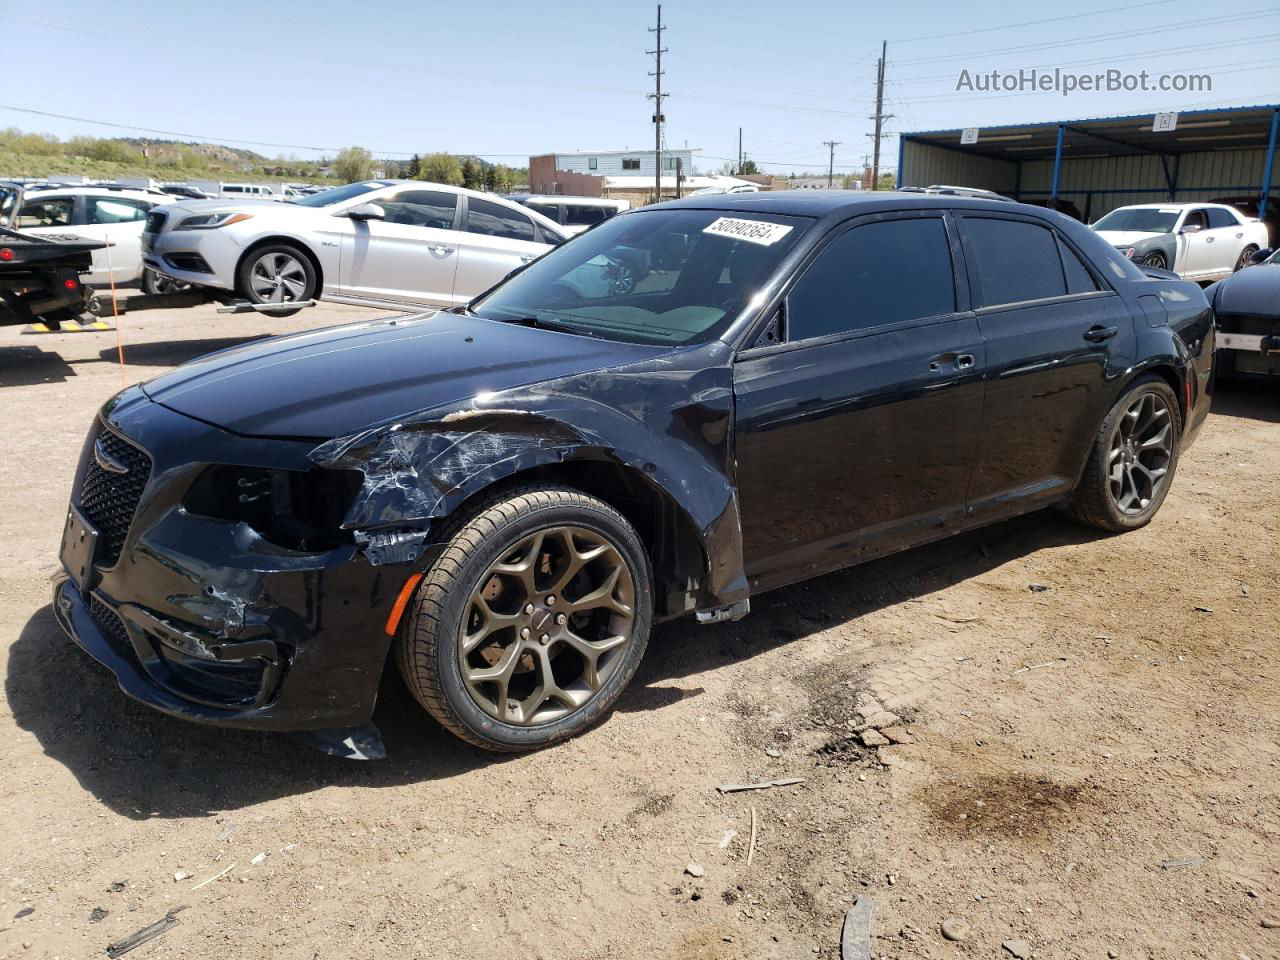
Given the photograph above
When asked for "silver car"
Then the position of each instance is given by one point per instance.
(377, 242)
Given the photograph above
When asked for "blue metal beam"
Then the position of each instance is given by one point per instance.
(1057, 162)
(1270, 162)
(902, 142)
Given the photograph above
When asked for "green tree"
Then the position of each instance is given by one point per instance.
(887, 182)
(441, 168)
(501, 177)
(748, 166)
(353, 163)
(472, 174)
(413, 169)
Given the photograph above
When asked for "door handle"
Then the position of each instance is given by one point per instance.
(1208, 239)
(528, 258)
(1098, 334)
(957, 361)
(440, 248)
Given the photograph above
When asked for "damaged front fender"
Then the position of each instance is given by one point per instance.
(668, 419)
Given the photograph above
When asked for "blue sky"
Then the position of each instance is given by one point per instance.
(508, 79)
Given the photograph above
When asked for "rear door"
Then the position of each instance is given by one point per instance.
(118, 221)
(1226, 239)
(859, 408)
(409, 257)
(1057, 337)
(495, 240)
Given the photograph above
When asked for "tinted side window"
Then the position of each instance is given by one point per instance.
(1079, 279)
(493, 219)
(420, 208)
(50, 212)
(582, 215)
(1015, 261)
(873, 275)
(1220, 218)
(116, 209)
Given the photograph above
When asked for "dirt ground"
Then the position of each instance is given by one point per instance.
(1092, 767)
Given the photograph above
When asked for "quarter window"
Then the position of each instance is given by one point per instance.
(420, 208)
(495, 220)
(874, 275)
(1015, 261)
(48, 212)
(1079, 279)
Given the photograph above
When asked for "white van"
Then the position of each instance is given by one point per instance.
(248, 190)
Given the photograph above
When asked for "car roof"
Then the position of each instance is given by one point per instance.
(565, 198)
(823, 203)
(54, 189)
(1179, 205)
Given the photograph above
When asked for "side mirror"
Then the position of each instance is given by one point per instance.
(1190, 228)
(367, 211)
(1260, 256)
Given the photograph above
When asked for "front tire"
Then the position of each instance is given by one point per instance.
(1132, 461)
(155, 284)
(531, 623)
(1245, 254)
(1155, 259)
(278, 273)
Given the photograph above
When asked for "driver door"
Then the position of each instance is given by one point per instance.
(411, 256)
(1198, 246)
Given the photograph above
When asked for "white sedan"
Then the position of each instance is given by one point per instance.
(111, 214)
(377, 242)
(1197, 241)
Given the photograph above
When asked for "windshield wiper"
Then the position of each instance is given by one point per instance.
(541, 323)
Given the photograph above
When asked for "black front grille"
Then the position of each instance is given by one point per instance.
(109, 498)
(155, 221)
(190, 262)
(108, 622)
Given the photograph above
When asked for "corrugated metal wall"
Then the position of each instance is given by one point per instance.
(924, 164)
(1199, 176)
(1095, 185)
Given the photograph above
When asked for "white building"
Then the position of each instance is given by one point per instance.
(623, 163)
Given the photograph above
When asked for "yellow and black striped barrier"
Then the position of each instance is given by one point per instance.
(69, 326)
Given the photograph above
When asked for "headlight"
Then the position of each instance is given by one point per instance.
(211, 221)
(297, 510)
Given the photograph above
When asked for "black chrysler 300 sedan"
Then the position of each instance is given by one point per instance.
(688, 405)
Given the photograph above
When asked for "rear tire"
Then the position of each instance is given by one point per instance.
(277, 273)
(1132, 460)
(531, 622)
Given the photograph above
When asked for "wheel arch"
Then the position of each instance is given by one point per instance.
(677, 551)
(283, 238)
(1167, 370)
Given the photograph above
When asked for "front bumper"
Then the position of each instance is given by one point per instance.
(203, 620)
(174, 252)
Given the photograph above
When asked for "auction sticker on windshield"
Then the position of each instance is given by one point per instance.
(752, 231)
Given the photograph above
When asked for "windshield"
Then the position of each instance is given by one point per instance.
(656, 277)
(1139, 219)
(326, 198)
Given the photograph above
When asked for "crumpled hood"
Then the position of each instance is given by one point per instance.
(340, 380)
(1126, 238)
(1253, 291)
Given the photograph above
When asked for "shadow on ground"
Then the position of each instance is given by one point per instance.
(1249, 399)
(170, 353)
(142, 764)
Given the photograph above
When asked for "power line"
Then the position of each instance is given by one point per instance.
(1033, 23)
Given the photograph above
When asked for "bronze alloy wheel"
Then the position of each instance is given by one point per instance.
(546, 626)
(1141, 451)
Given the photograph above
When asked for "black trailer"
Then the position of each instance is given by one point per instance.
(40, 277)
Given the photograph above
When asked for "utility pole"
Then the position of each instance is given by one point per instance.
(657, 97)
(880, 117)
(739, 170)
(831, 162)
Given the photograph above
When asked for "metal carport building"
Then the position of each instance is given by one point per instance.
(1107, 162)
